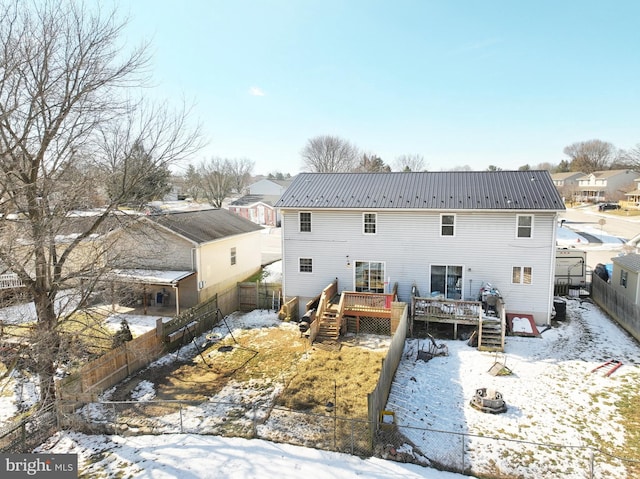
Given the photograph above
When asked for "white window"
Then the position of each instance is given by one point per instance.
(233, 256)
(447, 225)
(521, 275)
(369, 223)
(306, 265)
(446, 280)
(305, 222)
(369, 276)
(623, 279)
(525, 226)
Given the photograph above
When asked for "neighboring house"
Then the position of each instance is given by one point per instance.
(256, 208)
(608, 185)
(441, 233)
(187, 257)
(632, 198)
(269, 187)
(626, 276)
(567, 183)
(258, 204)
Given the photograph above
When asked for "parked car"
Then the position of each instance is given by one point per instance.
(608, 206)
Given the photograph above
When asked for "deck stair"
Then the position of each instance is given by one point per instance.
(329, 324)
(491, 334)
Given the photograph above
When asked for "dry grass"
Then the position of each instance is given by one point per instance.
(266, 354)
(629, 407)
(312, 376)
(344, 377)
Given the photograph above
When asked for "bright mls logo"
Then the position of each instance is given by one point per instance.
(50, 466)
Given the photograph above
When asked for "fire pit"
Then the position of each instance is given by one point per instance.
(488, 400)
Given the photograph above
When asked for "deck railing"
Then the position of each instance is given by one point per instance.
(10, 280)
(452, 309)
(367, 301)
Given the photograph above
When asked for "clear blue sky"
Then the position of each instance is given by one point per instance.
(475, 83)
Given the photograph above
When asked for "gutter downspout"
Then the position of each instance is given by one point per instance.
(552, 275)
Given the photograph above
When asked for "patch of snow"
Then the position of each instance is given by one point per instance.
(144, 391)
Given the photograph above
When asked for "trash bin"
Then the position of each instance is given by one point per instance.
(560, 305)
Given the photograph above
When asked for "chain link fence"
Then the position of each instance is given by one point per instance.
(482, 456)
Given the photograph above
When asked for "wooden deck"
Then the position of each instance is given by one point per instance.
(491, 329)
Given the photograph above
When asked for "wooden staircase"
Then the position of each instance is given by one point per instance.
(491, 334)
(329, 327)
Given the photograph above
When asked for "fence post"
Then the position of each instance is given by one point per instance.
(352, 438)
(462, 437)
(591, 464)
(181, 428)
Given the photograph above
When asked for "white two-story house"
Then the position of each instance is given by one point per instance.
(441, 233)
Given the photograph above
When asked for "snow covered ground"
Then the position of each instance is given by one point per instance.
(552, 397)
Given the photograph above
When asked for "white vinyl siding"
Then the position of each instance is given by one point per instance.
(409, 242)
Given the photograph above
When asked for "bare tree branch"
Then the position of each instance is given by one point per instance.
(68, 123)
(329, 154)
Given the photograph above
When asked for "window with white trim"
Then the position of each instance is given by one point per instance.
(233, 256)
(447, 225)
(623, 278)
(306, 265)
(521, 275)
(446, 280)
(369, 276)
(524, 226)
(369, 223)
(305, 221)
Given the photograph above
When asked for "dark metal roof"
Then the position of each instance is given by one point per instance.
(448, 190)
(252, 199)
(205, 225)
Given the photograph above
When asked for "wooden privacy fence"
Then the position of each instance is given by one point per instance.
(377, 399)
(619, 307)
(259, 295)
(116, 365)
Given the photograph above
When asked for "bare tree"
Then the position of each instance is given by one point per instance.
(67, 124)
(589, 156)
(630, 158)
(329, 154)
(241, 170)
(216, 180)
(413, 162)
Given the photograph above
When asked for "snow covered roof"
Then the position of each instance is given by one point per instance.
(151, 276)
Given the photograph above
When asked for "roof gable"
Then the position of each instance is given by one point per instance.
(629, 261)
(451, 190)
(205, 225)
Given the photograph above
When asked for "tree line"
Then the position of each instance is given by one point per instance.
(332, 154)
